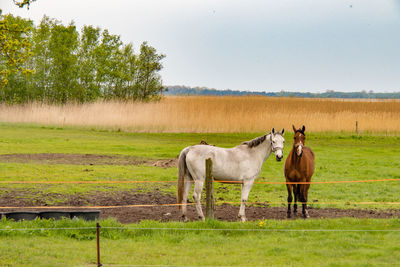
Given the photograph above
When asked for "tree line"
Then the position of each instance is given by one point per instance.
(186, 90)
(55, 63)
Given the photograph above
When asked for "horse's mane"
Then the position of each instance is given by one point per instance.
(255, 142)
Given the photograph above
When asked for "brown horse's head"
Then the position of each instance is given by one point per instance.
(299, 140)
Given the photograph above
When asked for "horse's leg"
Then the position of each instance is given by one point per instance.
(303, 199)
(289, 198)
(198, 187)
(307, 186)
(246, 187)
(186, 189)
(296, 193)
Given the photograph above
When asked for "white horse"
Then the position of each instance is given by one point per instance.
(238, 164)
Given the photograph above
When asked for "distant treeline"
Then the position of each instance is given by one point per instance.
(70, 66)
(184, 90)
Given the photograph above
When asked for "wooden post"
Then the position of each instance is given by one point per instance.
(209, 190)
(98, 244)
(357, 127)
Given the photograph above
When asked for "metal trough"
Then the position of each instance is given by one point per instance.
(88, 215)
(21, 215)
(54, 214)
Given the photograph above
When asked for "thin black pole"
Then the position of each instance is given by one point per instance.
(98, 244)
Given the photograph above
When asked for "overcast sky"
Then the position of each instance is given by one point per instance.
(257, 45)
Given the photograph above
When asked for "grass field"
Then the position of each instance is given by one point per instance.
(217, 114)
(339, 157)
(263, 243)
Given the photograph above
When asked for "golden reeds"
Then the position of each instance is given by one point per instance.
(216, 114)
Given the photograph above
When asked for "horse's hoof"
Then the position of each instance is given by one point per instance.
(289, 216)
(184, 219)
(242, 218)
(305, 216)
(202, 218)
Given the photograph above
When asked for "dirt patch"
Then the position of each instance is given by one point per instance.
(224, 212)
(85, 159)
(165, 163)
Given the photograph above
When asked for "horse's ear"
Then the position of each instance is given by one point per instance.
(283, 131)
(294, 128)
(303, 129)
(273, 131)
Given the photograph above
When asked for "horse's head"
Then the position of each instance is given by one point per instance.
(299, 140)
(277, 142)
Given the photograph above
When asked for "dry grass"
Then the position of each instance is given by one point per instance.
(217, 114)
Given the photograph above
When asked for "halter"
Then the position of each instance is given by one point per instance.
(274, 149)
(300, 131)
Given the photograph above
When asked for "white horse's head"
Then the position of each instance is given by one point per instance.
(277, 142)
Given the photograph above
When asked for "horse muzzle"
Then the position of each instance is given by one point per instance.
(299, 153)
(279, 158)
(299, 150)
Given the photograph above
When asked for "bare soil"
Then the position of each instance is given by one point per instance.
(86, 159)
(224, 212)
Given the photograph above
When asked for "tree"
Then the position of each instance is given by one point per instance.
(63, 79)
(129, 69)
(14, 68)
(23, 3)
(78, 67)
(41, 61)
(108, 57)
(15, 47)
(148, 83)
(88, 88)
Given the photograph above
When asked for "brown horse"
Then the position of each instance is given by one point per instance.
(299, 167)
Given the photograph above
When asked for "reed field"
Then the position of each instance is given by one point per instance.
(210, 114)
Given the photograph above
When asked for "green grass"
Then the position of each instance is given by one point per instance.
(131, 244)
(339, 157)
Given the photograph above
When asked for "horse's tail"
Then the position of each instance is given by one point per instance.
(182, 172)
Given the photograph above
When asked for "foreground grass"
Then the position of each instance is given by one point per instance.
(250, 244)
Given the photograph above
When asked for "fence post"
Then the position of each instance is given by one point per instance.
(98, 244)
(357, 127)
(209, 190)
